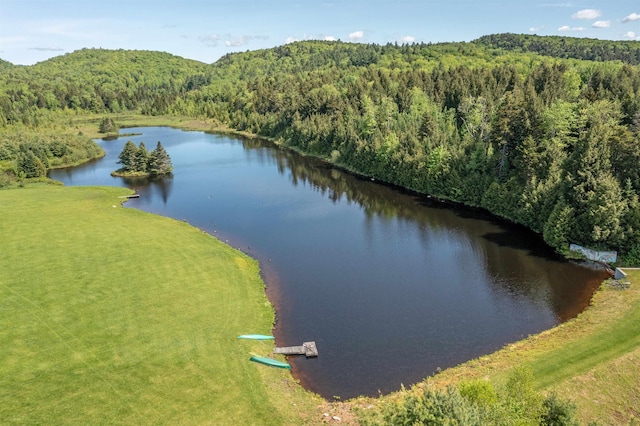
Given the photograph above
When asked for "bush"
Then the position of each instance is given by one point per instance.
(6, 179)
(107, 125)
(480, 392)
(475, 403)
(30, 166)
(558, 413)
(427, 407)
(632, 257)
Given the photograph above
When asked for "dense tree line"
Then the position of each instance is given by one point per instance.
(566, 47)
(25, 153)
(550, 143)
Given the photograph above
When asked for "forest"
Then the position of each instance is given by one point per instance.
(543, 131)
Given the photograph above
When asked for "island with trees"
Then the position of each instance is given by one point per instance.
(137, 161)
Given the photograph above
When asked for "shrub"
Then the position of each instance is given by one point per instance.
(557, 412)
(107, 125)
(428, 407)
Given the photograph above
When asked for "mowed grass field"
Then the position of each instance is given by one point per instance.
(110, 315)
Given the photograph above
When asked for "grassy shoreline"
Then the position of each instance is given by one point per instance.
(591, 360)
(119, 316)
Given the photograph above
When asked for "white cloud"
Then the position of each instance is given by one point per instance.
(587, 14)
(237, 41)
(601, 24)
(242, 40)
(632, 35)
(290, 40)
(329, 38)
(356, 35)
(568, 28)
(407, 39)
(535, 29)
(632, 17)
(229, 40)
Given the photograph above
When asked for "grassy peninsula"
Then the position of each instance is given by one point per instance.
(115, 316)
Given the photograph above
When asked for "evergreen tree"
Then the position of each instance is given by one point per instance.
(30, 166)
(159, 161)
(557, 227)
(509, 128)
(141, 162)
(593, 191)
(128, 157)
(107, 125)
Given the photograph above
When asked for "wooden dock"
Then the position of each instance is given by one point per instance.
(308, 349)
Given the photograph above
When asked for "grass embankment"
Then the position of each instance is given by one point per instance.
(111, 315)
(593, 360)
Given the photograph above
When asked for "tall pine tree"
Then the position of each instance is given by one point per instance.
(142, 159)
(159, 161)
(128, 157)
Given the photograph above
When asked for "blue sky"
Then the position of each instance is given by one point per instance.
(35, 30)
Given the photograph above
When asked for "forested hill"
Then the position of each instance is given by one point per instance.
(566, 47)
(5, 65)
(93, 80)
(550, 143)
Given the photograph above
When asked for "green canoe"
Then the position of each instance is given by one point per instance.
(270, 361)
(255, 337)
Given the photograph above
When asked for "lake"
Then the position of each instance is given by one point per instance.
(391, 285)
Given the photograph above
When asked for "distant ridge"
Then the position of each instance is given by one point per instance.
(627, 51)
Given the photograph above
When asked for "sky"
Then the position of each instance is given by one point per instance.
(35, 30)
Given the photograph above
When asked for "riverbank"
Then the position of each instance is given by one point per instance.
(104, 320)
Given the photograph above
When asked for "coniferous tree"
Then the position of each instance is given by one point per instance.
(141, 161)
(30, 166)
(159, 161)
(593, 191)
(107, 125)
(128, 156)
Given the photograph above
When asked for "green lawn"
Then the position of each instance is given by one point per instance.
(611, 341)
(110, 315)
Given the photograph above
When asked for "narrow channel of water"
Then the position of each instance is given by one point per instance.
(391, 286)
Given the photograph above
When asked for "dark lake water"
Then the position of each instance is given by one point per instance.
(392, 286)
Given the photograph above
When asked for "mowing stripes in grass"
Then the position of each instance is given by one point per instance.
(574, 359)
(113, 315)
